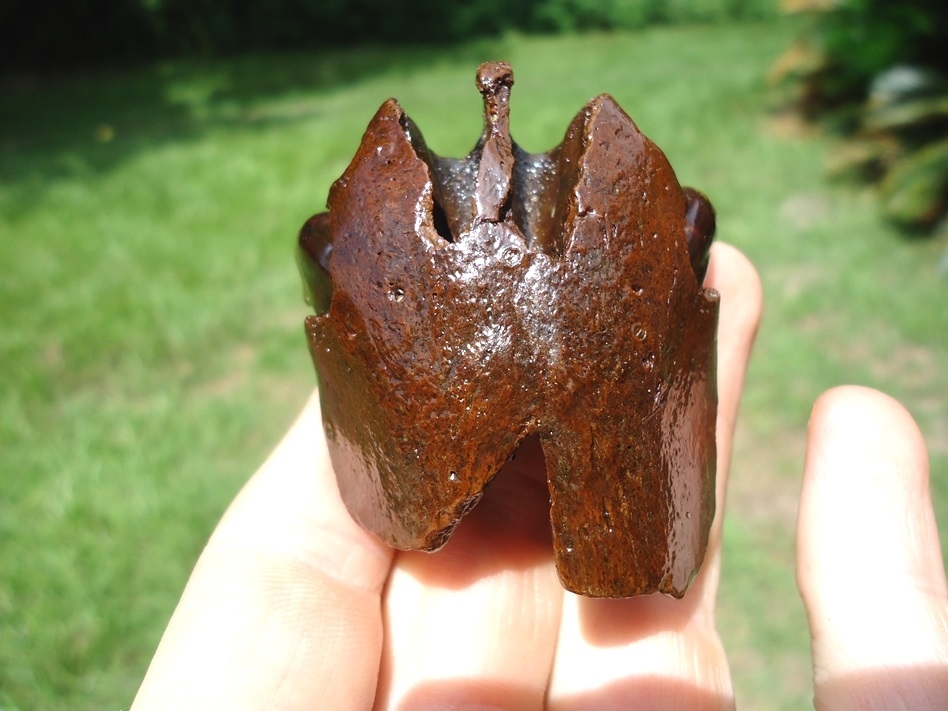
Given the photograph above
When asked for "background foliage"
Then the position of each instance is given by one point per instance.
(877, 72)
(44, 34)
(847, 43)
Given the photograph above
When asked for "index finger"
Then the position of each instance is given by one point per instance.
(869, 563)
(287, 586)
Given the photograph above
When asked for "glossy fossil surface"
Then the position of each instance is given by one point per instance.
(464, 304)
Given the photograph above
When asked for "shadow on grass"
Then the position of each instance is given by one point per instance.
(98, 119)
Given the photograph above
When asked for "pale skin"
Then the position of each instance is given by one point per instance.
(293, 606)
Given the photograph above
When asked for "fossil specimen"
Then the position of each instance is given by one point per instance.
(464, 304)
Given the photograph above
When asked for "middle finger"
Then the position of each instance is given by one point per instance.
(475, 625)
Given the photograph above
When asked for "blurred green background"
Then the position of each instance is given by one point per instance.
(152, 346)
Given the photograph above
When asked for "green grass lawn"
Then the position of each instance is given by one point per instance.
(152, 347)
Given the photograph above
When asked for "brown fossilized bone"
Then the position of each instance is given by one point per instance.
(462, 305)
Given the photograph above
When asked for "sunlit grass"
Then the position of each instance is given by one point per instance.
(152, 345)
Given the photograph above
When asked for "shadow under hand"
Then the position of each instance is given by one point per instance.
(920, 688)
(647, 693)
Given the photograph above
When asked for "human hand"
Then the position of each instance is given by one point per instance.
(869, 562)
(293, 606)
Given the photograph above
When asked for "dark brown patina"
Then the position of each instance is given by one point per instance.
(464, 304)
